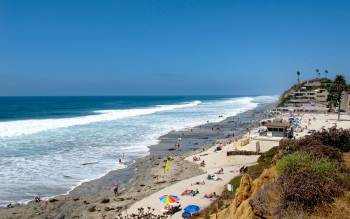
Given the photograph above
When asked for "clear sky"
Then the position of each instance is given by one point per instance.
(168, 47)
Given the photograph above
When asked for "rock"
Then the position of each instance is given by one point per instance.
(92, 208)
(244, 191)
(108, 208)
(52, 200)
(105, 200)
(249, 201)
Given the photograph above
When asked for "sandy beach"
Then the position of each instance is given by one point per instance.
(218, 159)
(215, 160)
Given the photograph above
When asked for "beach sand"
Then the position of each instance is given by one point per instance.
(218, 159)
(214, 160)
(316, 122)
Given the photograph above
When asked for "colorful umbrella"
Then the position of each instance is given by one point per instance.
(167, 199)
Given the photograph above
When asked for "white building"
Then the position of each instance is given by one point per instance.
(345, 101)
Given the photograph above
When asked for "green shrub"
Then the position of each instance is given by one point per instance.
(307, 162)
(338, 138)
(268, 156)
(254, 171)
(323, 152)
(304, 189)
(235, 182)
(324, 144)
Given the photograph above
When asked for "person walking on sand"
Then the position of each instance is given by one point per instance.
(115, 189)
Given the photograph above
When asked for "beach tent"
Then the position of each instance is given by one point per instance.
(189, 210)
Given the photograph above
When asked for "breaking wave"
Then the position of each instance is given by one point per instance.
(31, 126)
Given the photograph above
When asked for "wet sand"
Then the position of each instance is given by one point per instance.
(95, 199)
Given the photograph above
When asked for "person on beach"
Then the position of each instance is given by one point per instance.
(37, 199)
(120, 161)
(199, 183)
(221, 171)
(177, 146)
(195, 158)
(115, 189)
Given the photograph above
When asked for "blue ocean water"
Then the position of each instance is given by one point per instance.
(45, 140)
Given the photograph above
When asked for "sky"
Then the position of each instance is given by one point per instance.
(178, 47)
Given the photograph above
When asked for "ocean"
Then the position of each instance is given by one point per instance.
(49, 145)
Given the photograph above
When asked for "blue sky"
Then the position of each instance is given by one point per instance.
(168, 47)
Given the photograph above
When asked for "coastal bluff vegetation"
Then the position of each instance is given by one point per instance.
(307, 177)
(304, 178)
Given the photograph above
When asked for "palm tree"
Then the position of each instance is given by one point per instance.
(326, 73)
(318, 73)
(298, 74)
(337, 88)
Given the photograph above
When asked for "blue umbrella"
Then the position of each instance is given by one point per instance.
(192, 209)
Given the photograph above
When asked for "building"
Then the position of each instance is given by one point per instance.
(278, 127)
(345, 101)
(304, 96)
(311, 85)
(307, 96)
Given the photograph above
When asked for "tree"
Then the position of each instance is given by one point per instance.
(318, 73)
(326, 73)
(337, 88)
(298, 74)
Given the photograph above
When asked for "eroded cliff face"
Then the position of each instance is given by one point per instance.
(245, 203)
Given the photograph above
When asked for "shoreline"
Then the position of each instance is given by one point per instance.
(92, 191)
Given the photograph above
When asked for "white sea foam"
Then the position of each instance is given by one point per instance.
(31, 126)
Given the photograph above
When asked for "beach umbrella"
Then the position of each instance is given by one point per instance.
(168, 199)
(192, 209)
